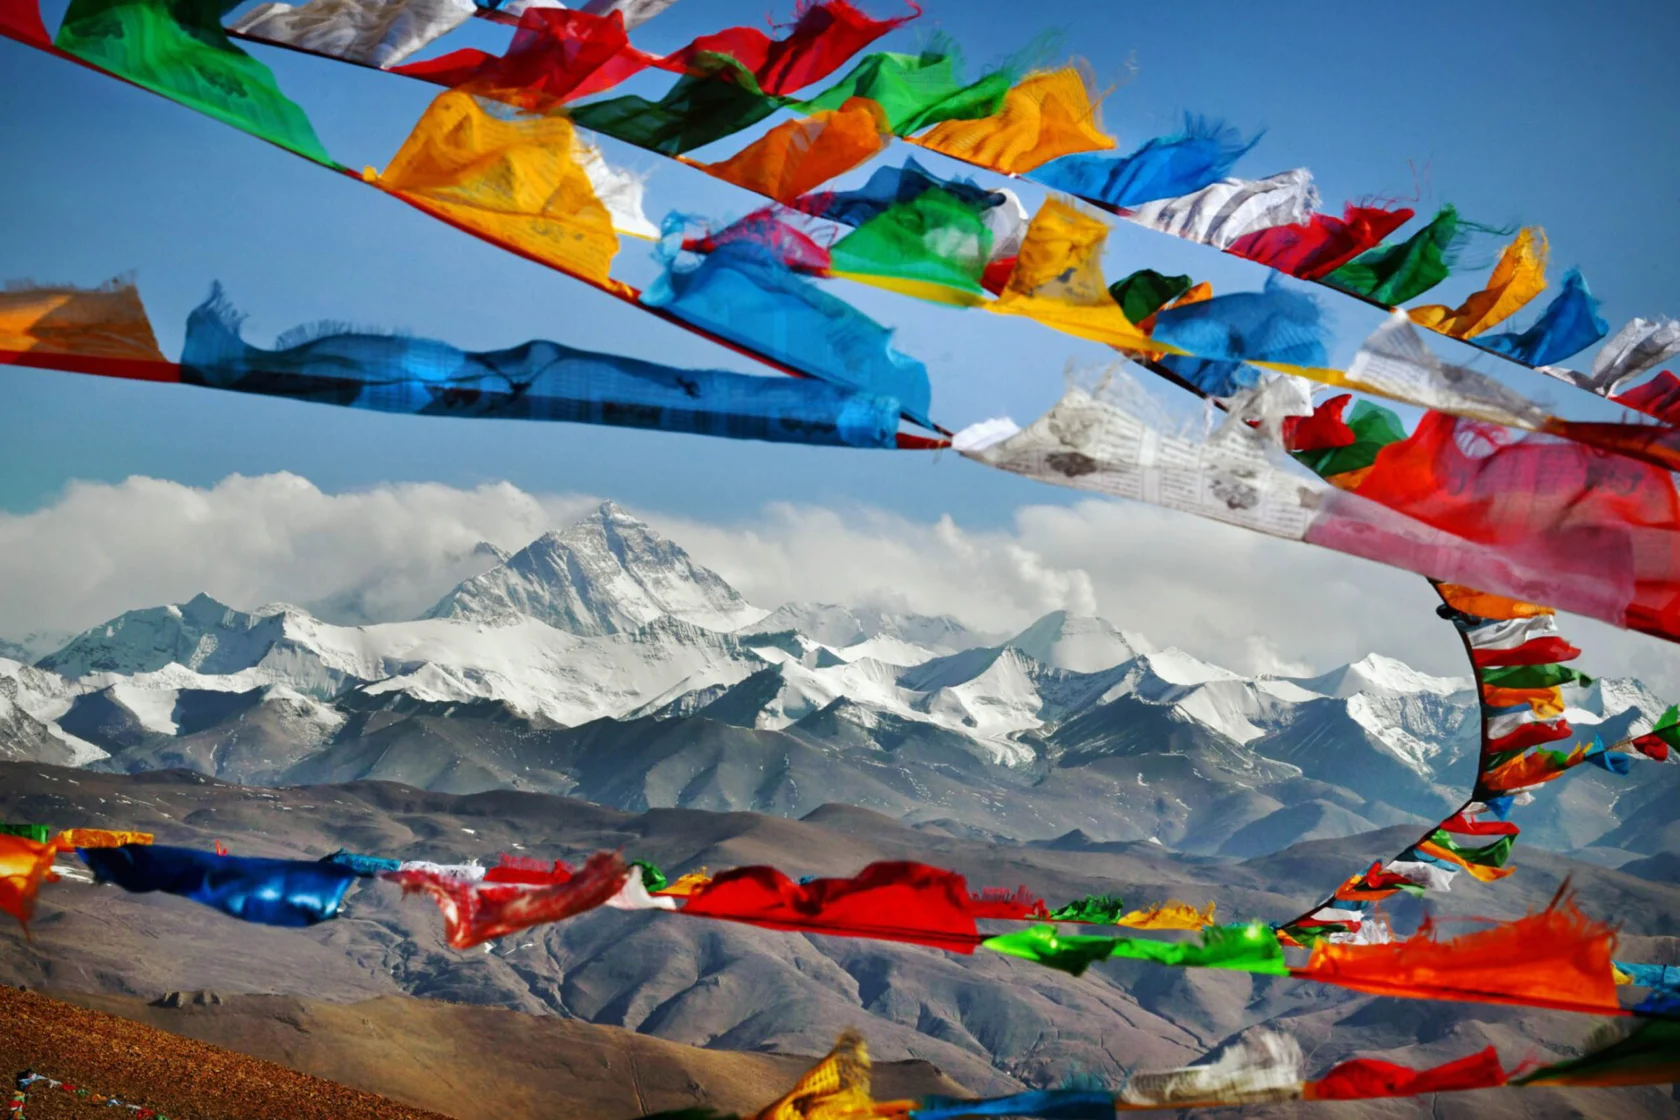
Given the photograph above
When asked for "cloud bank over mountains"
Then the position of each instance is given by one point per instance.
(389, 552)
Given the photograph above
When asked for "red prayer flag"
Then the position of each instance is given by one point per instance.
(1529, 735)
(1548, 650)
(995, 904)
(1366, 1078)
(21, 20)
(1659, 397)
(824, 36)
(1652, 747)
(1324, 429)
(475, 912)
(906, 902)
(769, 227)
(523, 869)
(995, 277)
(1317, 247)
(556, 55)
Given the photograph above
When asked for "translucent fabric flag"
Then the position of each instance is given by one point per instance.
(1658, 397)
(1274, 325)
(1096, 909)
(24, 865)
(274, 892)
(634, 894)
(934, 247)
(904, 902)
(742, 293)
(1569, 325)
(1641, 345)
(998, 904)
(634, 13)
(825, 35)
(514, 182)
(797, 156)
(476, 912)
(1649, 1055)
(1146, 291)
(916, 90)
(1395, 362)
(367, 867)
(1169, 915)
(1058, 279)
(1244, 948)
(1228, 210)
(1364, 1079)
(72, 838)
(555, 56)
(1046, 116)
(1518, 641)
(1261, 1068)
(1165, 167)
(1556, 958)
(531, 872)
(1517, 278)
(892, 186)
(836, 1088)
(374, 32)
(775, 229)
(620, 191)
(177, 48)
(533, 381)
(1318, 246)
(719, 98)
(104, 322)
(1396, 274)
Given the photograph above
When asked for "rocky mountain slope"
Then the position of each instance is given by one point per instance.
(603, 662)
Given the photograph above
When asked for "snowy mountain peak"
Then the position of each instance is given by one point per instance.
(201, 634)
(1079, 644)
(608, 573)
(1381, 675)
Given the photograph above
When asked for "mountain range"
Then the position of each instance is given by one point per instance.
(602, 662)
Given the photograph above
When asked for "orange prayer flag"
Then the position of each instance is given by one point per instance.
(1546, 702)
(1169, 915)
(798, 156)
(24, 866)
(516, 181)
(1519, 276)
(1557, 958)
(687, 884)
(1046, 116)
(72, 838)
(1484, 604)
(104, 322)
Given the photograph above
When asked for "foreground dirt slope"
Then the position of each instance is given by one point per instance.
(183, 1078)
(476, 1062)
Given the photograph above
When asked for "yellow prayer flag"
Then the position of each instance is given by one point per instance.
(798, 156)
(72, 838)
(104, 322)
(1169, 915)
(685, 885)
(836, 1088)
(1519, 276)
(517, 182)
(1058, 280)
(1046, 116)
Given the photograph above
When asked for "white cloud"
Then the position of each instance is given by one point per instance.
(1236, 598)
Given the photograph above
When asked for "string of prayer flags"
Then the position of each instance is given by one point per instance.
(25, 864)
(916, 90)
(1517, 278)
(374, 34)
(1313, 249)
(555, 55)
(478, 911)
(1569, 324)
(903, 902)
(1165, 167)
(1223, 213)
(742, 293)
(178, 49)
(516, 182)
(1043, 117)
(800, 155)
(537, 380)
(275, 892)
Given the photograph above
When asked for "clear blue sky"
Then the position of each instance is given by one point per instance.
(1541, 111)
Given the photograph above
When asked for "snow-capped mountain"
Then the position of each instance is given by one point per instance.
(607, 574)
(601, 660)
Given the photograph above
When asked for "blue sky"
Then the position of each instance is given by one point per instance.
(1548, 112)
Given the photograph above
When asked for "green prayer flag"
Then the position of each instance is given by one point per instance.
(1650, 1055)
(1374, 428)
(653, 879)
(935, 238)
(1393, 274)
(1493, 855)
(915, 90)
(1533, 676)
(1066, 952)
(1098, 909)
(39, 833)
(1146, 291)
(1668, 727)
(1253, 947)
(717, 98)
(177, 48)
